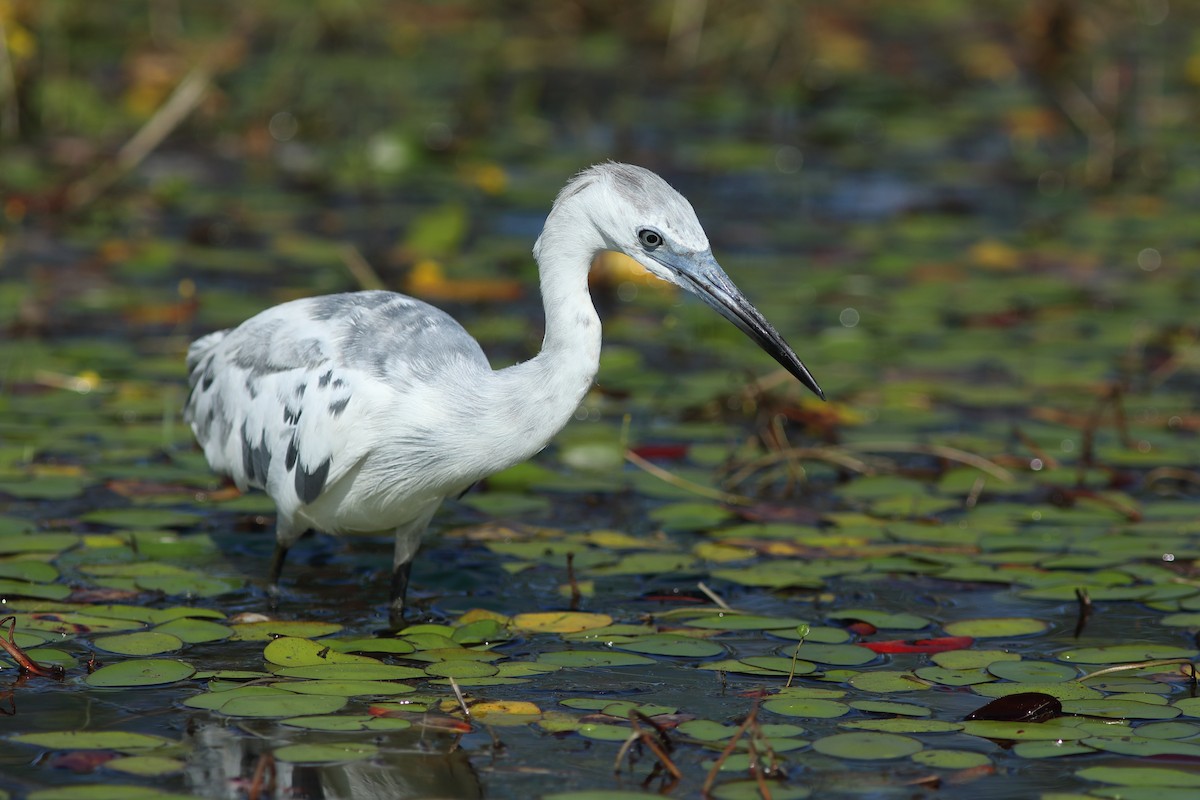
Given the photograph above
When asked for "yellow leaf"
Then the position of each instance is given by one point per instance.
(57, 470)
(560, 621)
(711, 551)
(428, 280)
(495, 707)
(20, 42)
(586, 589)
(491, 178)
(991, 254)
(621, 541)
(609, 267)
(476, 614)
(988, 60)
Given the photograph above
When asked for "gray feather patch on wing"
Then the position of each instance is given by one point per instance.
(256, 459)
(310, 484)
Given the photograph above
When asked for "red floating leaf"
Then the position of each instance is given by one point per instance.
(81, 762)
(662, 452)
(938, 645)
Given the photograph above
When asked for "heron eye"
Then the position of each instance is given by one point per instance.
(650, 239)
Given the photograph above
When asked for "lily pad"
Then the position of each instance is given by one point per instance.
(142, 643)
(281, 705)
(121, 741)
(592, 658)
(92, 791)
(325, 753)
(867, 746)
(672, 645)
(142, 672)
(560, 622)
(146, 766)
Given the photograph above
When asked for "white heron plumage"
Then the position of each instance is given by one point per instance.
(361, 412)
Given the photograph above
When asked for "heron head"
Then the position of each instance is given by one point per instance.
(642, 216)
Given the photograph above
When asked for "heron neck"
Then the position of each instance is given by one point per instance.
(533, 400)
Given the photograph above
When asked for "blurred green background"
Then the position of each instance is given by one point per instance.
(1047, 98)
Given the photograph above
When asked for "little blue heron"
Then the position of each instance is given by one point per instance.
(362, 412)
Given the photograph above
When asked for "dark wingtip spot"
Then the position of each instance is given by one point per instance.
(256, 459)
(310, 484)
(338, 406)
(292, 454)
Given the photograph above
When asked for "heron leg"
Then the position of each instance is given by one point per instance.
(276, 568)
(408, 542)
(399, 589)
(285, 537)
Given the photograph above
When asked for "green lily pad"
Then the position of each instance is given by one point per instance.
(142, 672)
(370, 645)
(954, 677)
(706, 730)
(603, 731)
(92, 791)
(1022, 731)
(345, 688)
(213, 700)
(1063, 690)
(272, 629)
(672, 645)
(887, 681)
(1141, 776)
(146, 766)
(889, 620)
(29, 571)
(121, 741)
(1141, 747)
(592, 658)
(902, 725)
(359, 722)
(291, 651)
(1050, 749)
(690, 516)
(1032, 671)
(1119, 709)
(351, 672)
(725, 621)
(602, 794)
(458, 669)
(142, 518)
(951, 759)
(812, 708)
(142, 643)
(971, 659)
(195, 631)
(841, 655)
(867, 746)
(43, 591)
(325, 753)
(281, 705)
(37, 543)
(888, 707)
(1005, 627)
(1125, 653)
